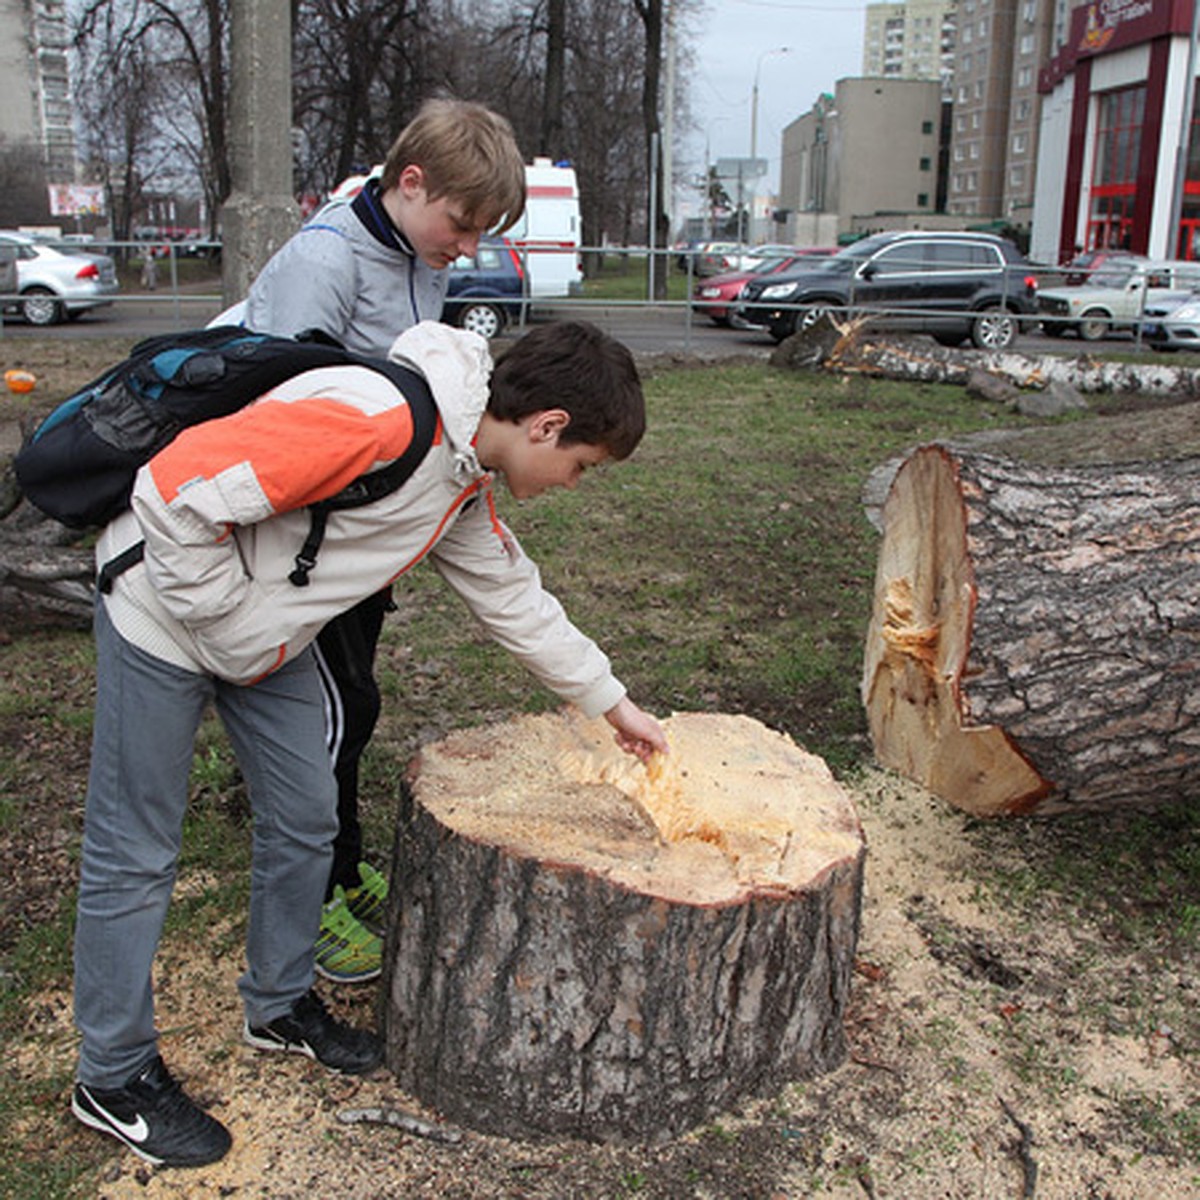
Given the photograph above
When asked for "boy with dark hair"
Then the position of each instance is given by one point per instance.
(209, 615)
(361, 272)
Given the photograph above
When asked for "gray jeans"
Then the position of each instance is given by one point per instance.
(147, 713)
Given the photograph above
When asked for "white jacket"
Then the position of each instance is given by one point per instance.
(222, 513)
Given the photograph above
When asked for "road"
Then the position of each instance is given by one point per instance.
(645, 329)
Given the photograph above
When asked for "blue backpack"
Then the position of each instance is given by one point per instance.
(79, 466)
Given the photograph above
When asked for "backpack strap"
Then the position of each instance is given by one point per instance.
(366, 489)
(118, 566)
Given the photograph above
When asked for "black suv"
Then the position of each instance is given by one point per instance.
(953, 285)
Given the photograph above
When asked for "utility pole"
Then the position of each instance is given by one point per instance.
(261, 212)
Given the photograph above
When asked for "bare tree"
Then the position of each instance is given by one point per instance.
(168, 62)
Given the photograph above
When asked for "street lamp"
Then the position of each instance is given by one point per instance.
(754, 96)
(754, 125)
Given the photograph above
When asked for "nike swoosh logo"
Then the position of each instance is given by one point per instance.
(135, 1131)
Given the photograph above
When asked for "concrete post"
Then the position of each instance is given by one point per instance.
(261, 213)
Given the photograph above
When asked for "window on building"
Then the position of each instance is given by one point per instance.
(925, 164)
(1022, 112)
(1115, 166)
(1016, 177)
(1026, 43)
(922, 199)
(1019, 143)
(1025, 77)
(926, 126)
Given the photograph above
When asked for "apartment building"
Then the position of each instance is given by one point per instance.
(911, 40)
(36, 131)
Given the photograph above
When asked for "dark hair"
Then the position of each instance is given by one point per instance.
(572, 365)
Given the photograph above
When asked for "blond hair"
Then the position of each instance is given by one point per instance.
(466, 152)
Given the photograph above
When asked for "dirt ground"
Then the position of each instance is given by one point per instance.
(995, 1050)
(988, 1057)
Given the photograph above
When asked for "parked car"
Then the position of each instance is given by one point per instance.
(486, 289)
(1116, 298)
(715, 295)
(8, 269)
(1083, 267)
(952, 285)
(1173, 322)
(56, 282)
(715, 258)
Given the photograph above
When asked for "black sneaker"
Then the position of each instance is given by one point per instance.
(309, 1029)
(155, 1118)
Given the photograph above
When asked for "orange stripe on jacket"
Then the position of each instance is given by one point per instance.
(300, 451)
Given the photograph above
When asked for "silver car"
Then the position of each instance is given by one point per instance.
(54, 283)
(1173, 326)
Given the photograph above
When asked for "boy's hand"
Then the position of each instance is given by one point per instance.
(637, 732)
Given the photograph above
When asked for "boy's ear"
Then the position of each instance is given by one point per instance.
(545, 426)
(411, 180)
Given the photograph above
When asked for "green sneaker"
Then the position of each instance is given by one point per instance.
(368, 901)
(346, 951)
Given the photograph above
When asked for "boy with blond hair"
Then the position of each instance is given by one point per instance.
(360, 272)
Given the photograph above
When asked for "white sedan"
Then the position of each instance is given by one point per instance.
(55, 283)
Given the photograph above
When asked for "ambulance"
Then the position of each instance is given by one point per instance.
(547, 237)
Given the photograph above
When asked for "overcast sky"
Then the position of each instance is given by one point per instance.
(737, 39)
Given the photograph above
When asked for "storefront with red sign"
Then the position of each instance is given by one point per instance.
(1112, 154)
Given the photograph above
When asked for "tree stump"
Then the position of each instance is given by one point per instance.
(1035, 637)
(580, 946)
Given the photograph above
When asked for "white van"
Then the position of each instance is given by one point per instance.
(548, 235)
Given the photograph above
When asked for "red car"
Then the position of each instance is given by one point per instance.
(714, 296)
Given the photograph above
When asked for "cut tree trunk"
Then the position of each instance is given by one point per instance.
(45, 574)
(854, 347)
(1035, 637)
(580, 946)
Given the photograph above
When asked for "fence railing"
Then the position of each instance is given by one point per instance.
(185, 275)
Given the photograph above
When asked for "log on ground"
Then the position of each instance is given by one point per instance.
(1035, 635)
(580, 946)
(853, 346)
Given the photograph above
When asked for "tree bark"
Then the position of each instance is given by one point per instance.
(851, 346)
(1035, 637)
(581, 947)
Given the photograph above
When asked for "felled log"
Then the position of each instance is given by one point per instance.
(854, 347)
(1034, 643)
(582, 947)
(46, 574)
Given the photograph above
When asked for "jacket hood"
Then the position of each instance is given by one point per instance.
(457, 365)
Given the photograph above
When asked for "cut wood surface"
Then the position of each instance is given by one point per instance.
(1035, 635)
(580, 946)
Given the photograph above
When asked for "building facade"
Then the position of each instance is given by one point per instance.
(36, 111)
(869, 149)
(911, 40)
(1119, 153)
